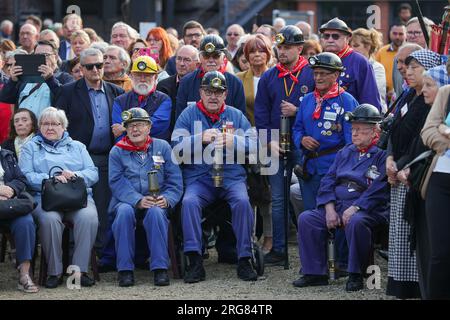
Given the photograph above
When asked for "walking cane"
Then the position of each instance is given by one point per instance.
(285, 146)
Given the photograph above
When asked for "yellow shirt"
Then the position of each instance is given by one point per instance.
(385, 56)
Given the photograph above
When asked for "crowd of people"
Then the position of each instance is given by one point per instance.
(168, 126)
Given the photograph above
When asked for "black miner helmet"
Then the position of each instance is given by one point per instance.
(289, 35)
(336, 24)
(214, 80)
(135, 114)
(212, 43)
(364, 113)
(326, 60)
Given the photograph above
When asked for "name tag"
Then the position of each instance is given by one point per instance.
(404, 110)
(332, 116)
(158, 159)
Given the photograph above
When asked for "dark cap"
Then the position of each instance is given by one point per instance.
(290, 35)
(214, 80)
(212, 43)
(326, 60)
(336, 24)
(135, 114)
(364, 113)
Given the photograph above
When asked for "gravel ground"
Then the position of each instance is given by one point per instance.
(221, 283)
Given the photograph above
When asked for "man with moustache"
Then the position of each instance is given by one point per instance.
(280, 90)
(144, 95)
(212, 58)
(358, 77)
(202, 189)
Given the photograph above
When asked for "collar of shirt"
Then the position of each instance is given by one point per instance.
(391, 47)
(102, 89)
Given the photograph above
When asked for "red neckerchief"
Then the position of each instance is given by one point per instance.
(345, 52)
(213, 116)
(126, 144)
(222, 70)
(283, 71)
(374, 142)
(332, 93)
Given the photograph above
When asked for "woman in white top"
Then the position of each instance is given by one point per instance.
(436, 189)
(367, 43)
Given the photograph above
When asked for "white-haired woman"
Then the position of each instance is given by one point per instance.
(53, 147)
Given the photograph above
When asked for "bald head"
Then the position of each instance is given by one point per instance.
(305, 28)
(187, 60)
(28, 37)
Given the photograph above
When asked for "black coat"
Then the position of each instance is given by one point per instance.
(13, 176)
(9, 145)
(170, 87)
(74, 99)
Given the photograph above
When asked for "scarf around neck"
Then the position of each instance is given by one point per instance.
(332, 93)
(283, 71)
(126, 144)
(213, 116)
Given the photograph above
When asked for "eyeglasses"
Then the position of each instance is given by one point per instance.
(150, 40)
(414, 33)
(327, 36)
(91, 66)
(361, 130)
(214, 55)
(183, 59)
(50, 124)
(216, 93)
(46, 54)
(8, 65)
(233, 34)
(136, 125)
(193, 35)
(321, 74)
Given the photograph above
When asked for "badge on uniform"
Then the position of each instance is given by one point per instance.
(404, 110)
(332, 116)
(329, 133)
(158, 161)
(320, 124)
(323, 132)
(304, 89)
(372, 173)
(327, 125)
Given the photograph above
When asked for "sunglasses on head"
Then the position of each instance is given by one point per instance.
(91, 66)
(327, 36)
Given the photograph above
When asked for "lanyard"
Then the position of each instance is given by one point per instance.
(288, 93)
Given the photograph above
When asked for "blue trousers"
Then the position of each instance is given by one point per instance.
(310, 188)
(313, 235)
(23, 231)
(156, 227)
(199, 195)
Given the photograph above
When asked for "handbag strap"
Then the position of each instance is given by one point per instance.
(54, 167)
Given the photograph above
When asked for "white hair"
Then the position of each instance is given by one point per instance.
(193, 49)
(132, 33)
(279, 20)
(52, 113)
(10, 54)
(6, 23)
(90, 52)
(100, 45)
(428, 23)
(123, 55)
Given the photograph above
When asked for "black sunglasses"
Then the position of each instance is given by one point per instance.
(91, 66)
(214, 55)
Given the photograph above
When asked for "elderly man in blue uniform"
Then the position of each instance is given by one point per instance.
(158, 105)
(358, 77)
(320, 130)
(206, 183)
(212, 58)
(279, 91)
(353, 196)
(135, 195)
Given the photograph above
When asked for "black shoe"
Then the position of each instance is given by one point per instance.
(354, 282)
(311, 281)
(245, 270)
(53, 282)
(85, 281)
(126, 278)
(195, 271)
(161, 278)
(274, 258)
(106, 268)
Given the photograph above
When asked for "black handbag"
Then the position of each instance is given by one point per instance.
(19, 206)
(58, 196)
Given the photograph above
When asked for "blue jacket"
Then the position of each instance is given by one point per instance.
(358, 79)
(188, 91)
(187, 138)
(158, 105)
(37, 158)
(128, 177)
(331, 120)
(348, 166)
(270, 93)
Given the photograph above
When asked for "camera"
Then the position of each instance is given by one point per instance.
(385, 126)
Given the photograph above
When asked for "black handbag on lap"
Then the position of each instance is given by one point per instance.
(58, 196)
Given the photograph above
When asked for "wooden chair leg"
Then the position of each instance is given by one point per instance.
(173, 254)
(3, 247)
